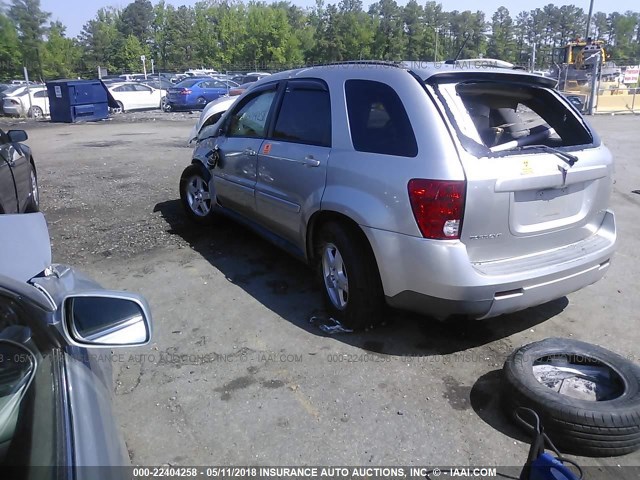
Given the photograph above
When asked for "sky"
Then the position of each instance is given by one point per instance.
(75, 13)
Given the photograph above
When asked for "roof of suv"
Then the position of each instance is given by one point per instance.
(423, 69)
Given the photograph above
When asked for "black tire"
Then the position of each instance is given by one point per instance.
(607, 427)
(120, 108)
(201, 102)
(34, 195)
(364, 300)
(189, 178)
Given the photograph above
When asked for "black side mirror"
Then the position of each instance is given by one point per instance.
(16, 136)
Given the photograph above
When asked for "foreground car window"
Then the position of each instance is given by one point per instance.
(492, 117)
(378, 120)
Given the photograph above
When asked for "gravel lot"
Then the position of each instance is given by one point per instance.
(237, 375)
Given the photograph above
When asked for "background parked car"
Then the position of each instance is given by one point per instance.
(18, 178)
(136, 96)
(240, 89)
(196, 93)
(33, 102)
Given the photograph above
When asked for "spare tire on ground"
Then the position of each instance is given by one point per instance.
(587, 397)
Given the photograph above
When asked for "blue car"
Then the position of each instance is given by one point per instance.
(196, 93)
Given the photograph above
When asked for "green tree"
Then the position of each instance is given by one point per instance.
(136, 19)
(389, 39)
(10, 56)
(413, 17)
(60, 55)
(501, 43)
(100, 40)
(30, 22)
(127, 57)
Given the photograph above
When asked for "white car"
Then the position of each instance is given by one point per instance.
(18, 103)
(211, 114)
(135, 96)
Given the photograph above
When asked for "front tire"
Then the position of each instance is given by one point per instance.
(349, 277)
(196, 196)
(34, 195)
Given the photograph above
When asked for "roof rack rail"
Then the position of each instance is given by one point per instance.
(386, 63)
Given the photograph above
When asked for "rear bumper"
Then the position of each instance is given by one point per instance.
(438, 279)
(16, 110)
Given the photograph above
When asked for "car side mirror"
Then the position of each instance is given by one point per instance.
(16, 136)
(106, 319)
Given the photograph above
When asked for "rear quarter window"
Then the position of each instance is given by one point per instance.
(378, 120)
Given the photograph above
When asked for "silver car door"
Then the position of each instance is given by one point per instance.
(292, 162)
(243, 133)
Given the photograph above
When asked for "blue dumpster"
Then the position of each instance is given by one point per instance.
(73, 101)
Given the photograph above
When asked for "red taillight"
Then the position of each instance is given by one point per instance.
(185, 91)
(438, 206)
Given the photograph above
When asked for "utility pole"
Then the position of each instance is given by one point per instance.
(589, 19)
(144, 65)
(594, 83)
(533, 57)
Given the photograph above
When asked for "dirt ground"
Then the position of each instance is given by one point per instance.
(236, 373)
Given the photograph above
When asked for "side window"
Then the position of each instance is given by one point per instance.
(378, 120)
(250, 119)
(305, 117)
(40, 94)
(141, 88)
(204, 85)
(120, 89)
(28, 422)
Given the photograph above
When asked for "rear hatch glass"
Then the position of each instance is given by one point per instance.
(493, 117)
(537, 177)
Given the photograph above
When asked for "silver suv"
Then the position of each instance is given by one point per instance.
(435, 188)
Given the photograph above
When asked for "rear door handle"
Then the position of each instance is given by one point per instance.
(249, 152)
(309, 161)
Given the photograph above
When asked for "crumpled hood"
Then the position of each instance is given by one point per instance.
(25, 246)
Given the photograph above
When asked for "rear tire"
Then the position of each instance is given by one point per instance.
(120, 108)
(35, 112)
(349, 277)
(196, 196)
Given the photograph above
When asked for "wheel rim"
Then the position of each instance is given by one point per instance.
(36, 112)
(201, 101)
(35, 194)
(198, 196)
(335, 277)
(579, 376)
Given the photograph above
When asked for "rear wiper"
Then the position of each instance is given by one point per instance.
(567, 157)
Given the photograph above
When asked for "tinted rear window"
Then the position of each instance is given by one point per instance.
(378, 120)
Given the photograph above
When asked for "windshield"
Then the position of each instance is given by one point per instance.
(496, 116)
